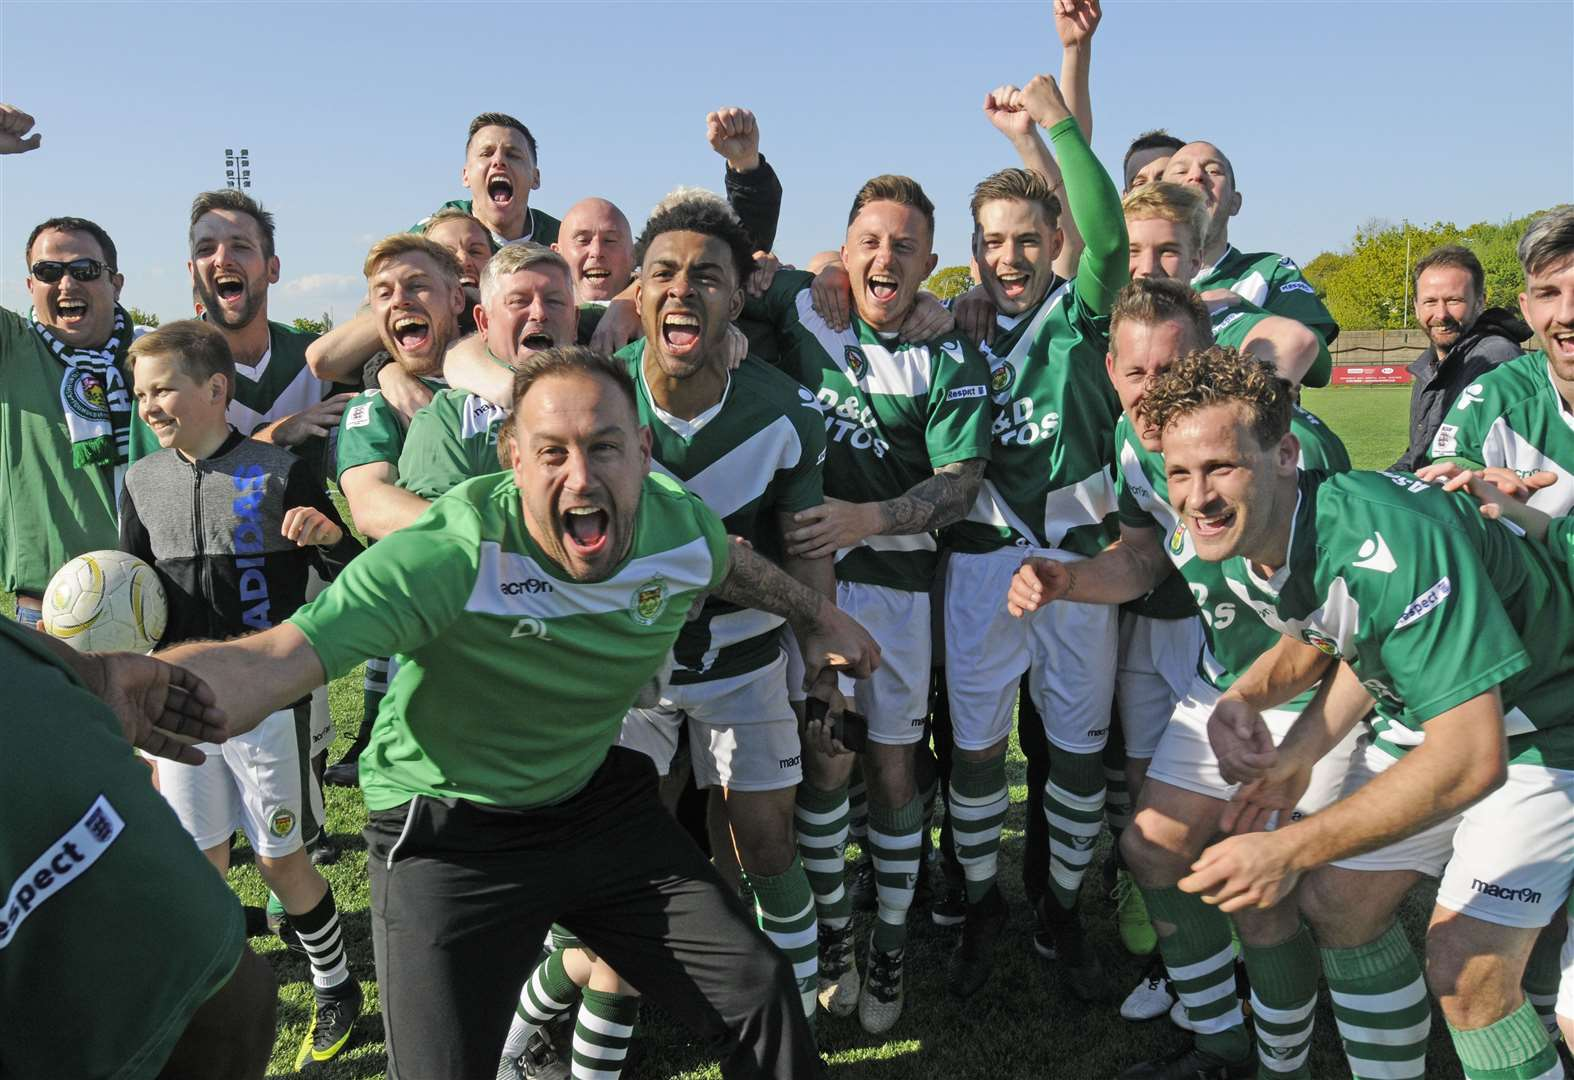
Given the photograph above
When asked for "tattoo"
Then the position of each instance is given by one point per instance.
(934, 503)
(753, 581)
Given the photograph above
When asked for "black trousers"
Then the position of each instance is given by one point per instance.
(463, 893)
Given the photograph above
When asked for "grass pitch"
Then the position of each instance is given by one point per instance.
(1023, 1025)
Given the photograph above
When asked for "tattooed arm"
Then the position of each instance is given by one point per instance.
(932, 503)
(829, 637)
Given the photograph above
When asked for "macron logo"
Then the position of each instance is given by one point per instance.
(1374, 555)
(1421, 605)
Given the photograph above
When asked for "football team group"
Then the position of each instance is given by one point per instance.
(647, 513)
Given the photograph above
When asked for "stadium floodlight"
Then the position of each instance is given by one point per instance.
(237, 168)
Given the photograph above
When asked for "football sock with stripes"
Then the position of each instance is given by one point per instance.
(1540, 982)
(784, 906)
(319, 933)
(894, 844)
(1117, 800)
(1074, 809)
(1514, 1048)
(546, 995)
(1200, 955)
(821, 818)
(1284, 1002)
(603, 1029)
(1380, 1002)
(978, 804)
(857, 805)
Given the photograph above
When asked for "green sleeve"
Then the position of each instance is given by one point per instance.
(1131, 512)
(777, 307)
(1095, 206)
(437, 454)
(1321, 449)
(1291, 295)
(960, 413)
(804, 483)
(398, 595)
(1440, 630)
(1322, 368)
(1461, 437)
(369, 432)
(1560, 538)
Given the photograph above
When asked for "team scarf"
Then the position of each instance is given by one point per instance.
(93, 395)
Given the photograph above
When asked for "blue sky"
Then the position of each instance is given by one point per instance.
(355, 114)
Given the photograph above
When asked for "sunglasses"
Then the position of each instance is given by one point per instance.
(50, 271)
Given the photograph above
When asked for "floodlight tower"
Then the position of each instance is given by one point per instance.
(237, 168)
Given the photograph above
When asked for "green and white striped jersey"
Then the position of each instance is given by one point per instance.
(513, 678)
(1272, 282)
(1050, 481)
(893, 411)
(1232, 322)
(1430, 603)
(452, 440)
(1231, 640)
(371, 430)
(1514, 417)
(758, 453)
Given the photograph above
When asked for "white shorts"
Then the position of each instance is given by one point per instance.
(322, 719)
(258, 782)
(895, 699)
(1185, 758)
(1068, 651)
(795, 669)
(1514, 851)
(1426, 852)
(742, 732)
(1158, 661)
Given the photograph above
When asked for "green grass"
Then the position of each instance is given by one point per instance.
(1023, 1025)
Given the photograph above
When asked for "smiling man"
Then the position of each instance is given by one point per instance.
(907, 437)
(543, 598)
(1457, 627)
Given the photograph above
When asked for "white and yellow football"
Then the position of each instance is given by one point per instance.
(106, 601)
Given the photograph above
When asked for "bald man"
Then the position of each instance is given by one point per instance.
(598, 245)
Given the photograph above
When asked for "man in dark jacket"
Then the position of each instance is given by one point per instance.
(1450, 289)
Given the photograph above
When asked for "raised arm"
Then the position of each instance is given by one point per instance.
(253, 676)
(1075, 22)
(1293, 348)
(468, 365)
(341, 353)
(378, 506)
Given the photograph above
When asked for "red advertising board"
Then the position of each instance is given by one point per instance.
(1369, 375)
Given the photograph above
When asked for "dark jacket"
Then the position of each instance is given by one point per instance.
(211, 530)
(1496, 337)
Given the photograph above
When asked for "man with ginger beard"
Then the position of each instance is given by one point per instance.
(907, 437)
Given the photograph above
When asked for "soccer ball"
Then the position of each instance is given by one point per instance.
(106, 601)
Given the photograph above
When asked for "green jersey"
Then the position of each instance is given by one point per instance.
(1231, 641)
(1232, 322)
(1272, 282)
(894, 412)
(1514, 417)
(372, 430)
(758, 453)
(450, 441)
(540, 228)
(513, 678)
(50, 510)
(1430, 603)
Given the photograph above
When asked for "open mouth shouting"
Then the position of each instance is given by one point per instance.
(500, 189)
(1562, 342)
(680, 332)
(1013, 283)
(586, 530)
(411, 332)
(1210, 526)
(535, 340)
(229, 287)
(882, 288)
(71, 310)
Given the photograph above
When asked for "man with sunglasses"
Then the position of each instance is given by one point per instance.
(65, 403)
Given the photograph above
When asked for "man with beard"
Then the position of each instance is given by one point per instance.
(527, 306)
(1270, 281)
(487, 821)
(1519, 415)
(907, 433)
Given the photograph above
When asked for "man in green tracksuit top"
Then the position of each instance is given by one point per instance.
(543, 599)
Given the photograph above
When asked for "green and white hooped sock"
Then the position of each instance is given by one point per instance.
(1284, 1002)
(1381, 1004)
(1074, 808)
(894, 844)
(1514, 1048)
(1200, 957)
(546, 995)
(603, 1029)
(784, 907)
(978, 804)
(821, 818)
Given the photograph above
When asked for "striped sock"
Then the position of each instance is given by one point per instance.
(1284, 1002)
(1074, 808)
(978, 811)
(319, 931)
(784, 907)
(821, 817)
(1200, 957)
(1540, 982)
(1514, 1048)
(894, 844)
(603, 1029)
(857, 805)
(546, 995)
(1117, 803)
(1380, 1002)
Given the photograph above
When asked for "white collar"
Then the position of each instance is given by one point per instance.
(686, 429)
(1275, 584)
(1205, 271)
